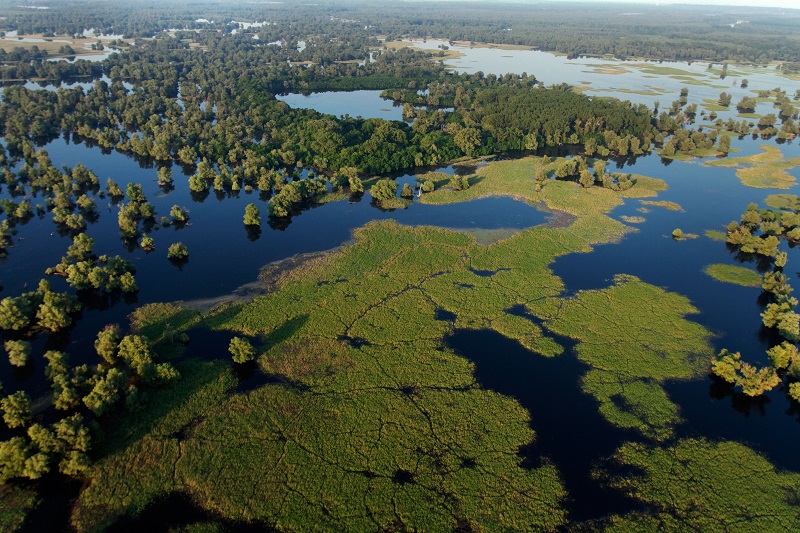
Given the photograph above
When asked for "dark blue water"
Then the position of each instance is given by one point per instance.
(569, 429)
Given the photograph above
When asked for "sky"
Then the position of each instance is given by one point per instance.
(792, 4)
(788, 4)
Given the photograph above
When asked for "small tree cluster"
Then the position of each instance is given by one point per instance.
(40, 309)
(751, 381)
(177, 251)
(85, 271)
(252, 216)
(137, 209)
(384, 189)
(459, 183)
(780, 310)
(294, 194)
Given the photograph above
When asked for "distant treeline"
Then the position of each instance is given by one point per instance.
(657, 32)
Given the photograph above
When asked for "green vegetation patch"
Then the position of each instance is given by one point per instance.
(767, 170)
(633, 219)
(737, 275)
(672, 206)
(711, 104)
(697, 485)
(159, 320)
(635, 337)
(15, 504)
(782, 201)
(716, 235)
(660, 70)
(380, 427)
(139, 455)
(516, 179)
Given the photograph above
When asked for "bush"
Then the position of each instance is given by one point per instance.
(242, 350)
(459, 183)
(177, 251)
(384, 189)
(19, 352)
(252, 217)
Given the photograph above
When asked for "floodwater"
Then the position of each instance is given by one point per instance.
(223, 255)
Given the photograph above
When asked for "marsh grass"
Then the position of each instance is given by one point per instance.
(16, 503)
(699, 485)
(367, 421)
(671, 206)
(767, 170)
(734, 274)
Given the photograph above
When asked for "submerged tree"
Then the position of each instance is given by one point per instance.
(252, 216)
(177, 251)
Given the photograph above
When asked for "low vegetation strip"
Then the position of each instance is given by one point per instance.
(767, 170)
(734, 274)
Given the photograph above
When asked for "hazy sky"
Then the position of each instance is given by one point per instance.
(793, 4)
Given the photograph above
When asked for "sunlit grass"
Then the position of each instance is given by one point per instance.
(767, 170)
(734, 274)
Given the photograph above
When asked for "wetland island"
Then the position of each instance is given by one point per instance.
(364, 266)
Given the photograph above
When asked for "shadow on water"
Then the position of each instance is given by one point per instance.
(714, 410)
(569, 428)
(177, 510)
(211, 345)
(58, 493)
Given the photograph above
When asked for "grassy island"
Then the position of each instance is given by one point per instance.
(734, 274)
(767, 170)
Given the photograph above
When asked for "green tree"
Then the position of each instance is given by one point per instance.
(19, 352)
(107, 343)
(16, 409)
(725, 365)
(586, 179)
(407, 191)
(106, 391)
(241, 350)
(356, 187)
(725, 144)
(14, 313)
(179, 214)
(147, 243)
(385, 189)
(459, 183)
(252, 217)
(113, 189)
(177, 251)
(135, 351)
(164, 176)
(747, 104)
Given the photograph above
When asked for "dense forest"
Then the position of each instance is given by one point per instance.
(656, 32)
